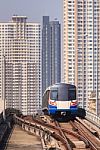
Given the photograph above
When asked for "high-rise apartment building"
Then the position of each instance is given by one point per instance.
(51, 52)
(81, 48)
(20, 70)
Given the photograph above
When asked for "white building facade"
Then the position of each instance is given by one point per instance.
(81, 49)
(20, 64)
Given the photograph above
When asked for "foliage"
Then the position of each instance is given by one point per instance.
(9, 111)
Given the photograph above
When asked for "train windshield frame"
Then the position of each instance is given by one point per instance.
(63, 94)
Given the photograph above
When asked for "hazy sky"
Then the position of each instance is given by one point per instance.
(33, 9)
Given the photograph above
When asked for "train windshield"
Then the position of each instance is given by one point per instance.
(54, 94)
(72, 94)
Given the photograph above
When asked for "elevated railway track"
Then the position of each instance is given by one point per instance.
(21, 140)
(52, 135)
(71, 136)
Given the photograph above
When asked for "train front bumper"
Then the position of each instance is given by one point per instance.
(54, 109)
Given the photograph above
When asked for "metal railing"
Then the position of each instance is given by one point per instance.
(93, 117)
(45, 134)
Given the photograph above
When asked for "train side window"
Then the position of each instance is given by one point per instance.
(45, 99)
(47, 94)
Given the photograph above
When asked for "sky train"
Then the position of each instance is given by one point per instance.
(60, 100)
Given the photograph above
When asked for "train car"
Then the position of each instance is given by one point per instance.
(60, 100)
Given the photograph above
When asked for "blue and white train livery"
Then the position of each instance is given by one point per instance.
(60, 99)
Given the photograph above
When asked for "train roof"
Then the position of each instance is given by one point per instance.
(57, 85)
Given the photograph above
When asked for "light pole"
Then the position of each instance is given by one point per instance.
(3, 77)
(86, 37)
(97, 77)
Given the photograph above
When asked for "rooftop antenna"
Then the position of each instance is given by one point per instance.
(55, 19)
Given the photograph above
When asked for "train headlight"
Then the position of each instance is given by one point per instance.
(73, 103)
(53, 103)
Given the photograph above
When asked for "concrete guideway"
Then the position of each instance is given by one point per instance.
(21, 140)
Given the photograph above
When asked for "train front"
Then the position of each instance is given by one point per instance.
(62, 101)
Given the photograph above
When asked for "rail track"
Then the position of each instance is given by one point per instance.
(65, 136)
(75, 141)
(94, 141)
(94, 128)
(86, 131)
(72, 135)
